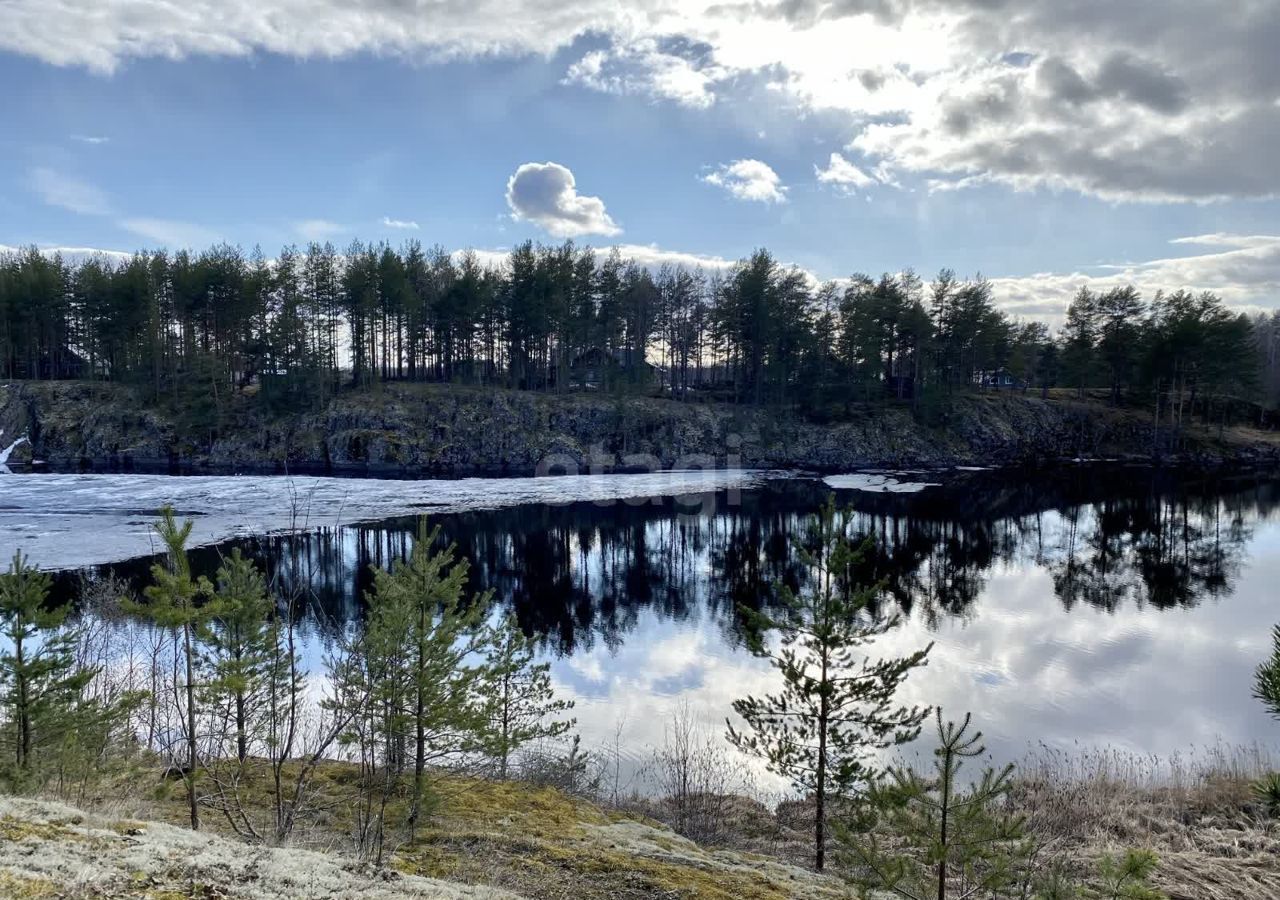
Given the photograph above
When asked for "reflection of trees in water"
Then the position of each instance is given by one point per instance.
(1157, 550)
(584, 574)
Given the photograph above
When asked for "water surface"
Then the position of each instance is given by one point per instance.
(1081, 608)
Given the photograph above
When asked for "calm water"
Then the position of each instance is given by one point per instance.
(1091, 608)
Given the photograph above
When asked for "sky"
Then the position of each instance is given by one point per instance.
(1043, 144)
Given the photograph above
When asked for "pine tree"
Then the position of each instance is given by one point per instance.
(520, 703)
(946, 839)
(416, 672)
(43, 700)
(236, 643)
(1266, 679)
(837, 706)
(174, 603)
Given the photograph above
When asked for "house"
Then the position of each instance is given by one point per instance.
(591, 367)
(1000, 379)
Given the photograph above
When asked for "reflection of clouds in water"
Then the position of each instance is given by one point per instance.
(1134, 621)
(1030, 671)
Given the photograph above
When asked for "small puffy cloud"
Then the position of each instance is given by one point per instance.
(547, 195)
(318, 229)
(57, 189)
(749, 179)
(89, 138)
(407, 224)
(843, 174)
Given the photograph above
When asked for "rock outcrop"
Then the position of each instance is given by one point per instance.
(443, 429)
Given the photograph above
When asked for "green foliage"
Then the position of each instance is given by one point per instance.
(836, 707)
(937, 837)
(236, 641)
(49, 723)
(1267, 792)
(411, 681)
(520, 704)
(1126, 878)
(174, 603)
(204, 332)
(1266, 679)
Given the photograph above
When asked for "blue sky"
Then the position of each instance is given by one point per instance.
(1041, 155)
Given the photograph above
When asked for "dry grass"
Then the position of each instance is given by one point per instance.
(1195, 810)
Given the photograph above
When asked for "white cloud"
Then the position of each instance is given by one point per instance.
(72, 254)
(1244, 270)
(644, 67)
(408, 224)
(58, 189)
(843, 174)
(90, 139)
(654, 257)
(547, 195)
(318, 229)
(171, 234)
(749, 179)
(1168, 100)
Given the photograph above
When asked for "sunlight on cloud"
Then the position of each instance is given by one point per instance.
(749, 179)
(843, 174)
(1140, 101)
(546, 194)
(1243, 270)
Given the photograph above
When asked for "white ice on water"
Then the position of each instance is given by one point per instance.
(875, 483)
(69, 521)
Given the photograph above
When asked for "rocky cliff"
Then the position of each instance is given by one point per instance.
(453, 430)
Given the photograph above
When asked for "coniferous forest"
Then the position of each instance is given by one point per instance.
(295, 329)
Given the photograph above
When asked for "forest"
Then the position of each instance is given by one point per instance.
(295, 329)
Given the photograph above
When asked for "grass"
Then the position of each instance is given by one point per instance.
(1197, 811)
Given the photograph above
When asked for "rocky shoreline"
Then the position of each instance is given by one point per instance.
(446, 430)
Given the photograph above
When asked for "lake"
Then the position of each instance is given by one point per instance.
(1089, 607)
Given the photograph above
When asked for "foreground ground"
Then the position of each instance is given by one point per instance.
(491, 839)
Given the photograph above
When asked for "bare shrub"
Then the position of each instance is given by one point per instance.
(700, 785)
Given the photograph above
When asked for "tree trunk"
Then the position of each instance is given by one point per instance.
(191, 728)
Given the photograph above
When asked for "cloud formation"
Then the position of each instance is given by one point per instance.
(318, 229)
(843, 174)
(62, 190)
(749, 179)
(647, 68)
(1146, 100)
(546, 194)
(407, 224)
(1244, 270)
(171, 234)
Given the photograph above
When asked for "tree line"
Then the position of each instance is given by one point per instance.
(205, 327)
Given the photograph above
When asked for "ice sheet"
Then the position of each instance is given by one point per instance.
(69, 521)
(876, 483)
